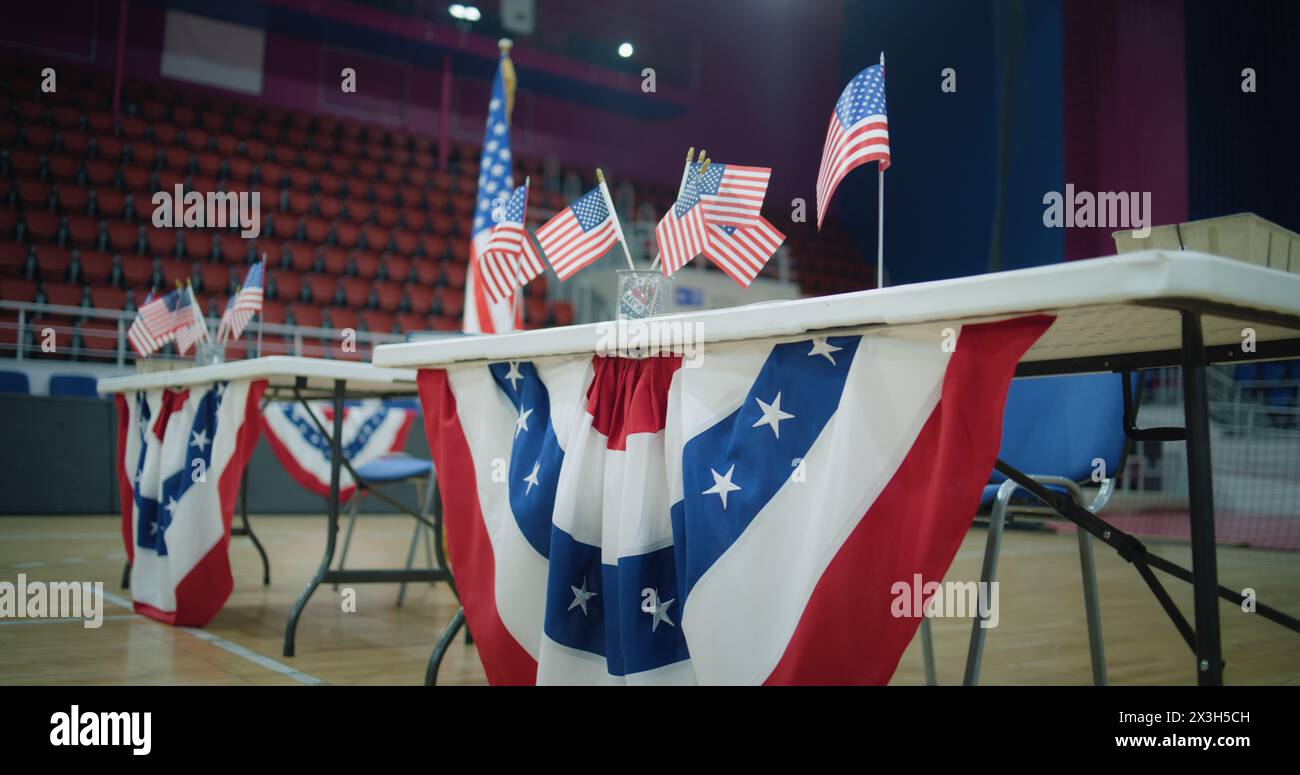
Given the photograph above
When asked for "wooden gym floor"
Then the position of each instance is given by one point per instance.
(1041, 638)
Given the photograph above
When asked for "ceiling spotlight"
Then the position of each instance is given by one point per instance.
(468, 13)
(625, 50)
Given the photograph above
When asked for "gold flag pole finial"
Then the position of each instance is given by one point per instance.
(508, 79)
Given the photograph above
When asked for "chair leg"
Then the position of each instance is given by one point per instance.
(1092, 609)
(353, 508)
(927, 652)
(992, 548)
(410, 561)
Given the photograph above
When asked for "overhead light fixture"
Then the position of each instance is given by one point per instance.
(625, 50)
(468, 13)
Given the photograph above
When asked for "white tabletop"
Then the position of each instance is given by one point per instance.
(279, 371)
(1100, 304)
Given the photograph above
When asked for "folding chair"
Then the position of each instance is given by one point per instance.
(1071, 430)
(390, 469)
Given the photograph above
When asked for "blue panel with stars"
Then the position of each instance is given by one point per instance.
(535, 454)
(731, 470)
(147, 531)
(690, 195)
(863, 97)
(201, 433)
(629, 613)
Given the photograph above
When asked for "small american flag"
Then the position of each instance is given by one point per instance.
(681, 235)
(509, 259)
(245, 304)
(580, 234)
(741, 251)
(732, 195)
(858, 133)
(143, 340)
(190, 325)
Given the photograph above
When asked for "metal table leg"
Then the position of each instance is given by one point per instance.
(448, 635)
(247, 529)
(1209, 656)
(332, 529)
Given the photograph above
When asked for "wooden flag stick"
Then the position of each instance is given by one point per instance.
(618, 228)
(685, 172)
(260, 317)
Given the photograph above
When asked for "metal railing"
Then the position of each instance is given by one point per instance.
(30, 341)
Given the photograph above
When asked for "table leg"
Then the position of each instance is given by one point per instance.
(248, 530)
(448, 635)
(332, 530)
(1205, 585)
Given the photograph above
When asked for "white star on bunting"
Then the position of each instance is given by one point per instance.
(581, 596)
(532, 478)
(722, 485)
(521, 422)
(822, 347)
(772, 414)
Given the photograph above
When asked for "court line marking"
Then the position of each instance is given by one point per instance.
(234, 648)
(114, 618)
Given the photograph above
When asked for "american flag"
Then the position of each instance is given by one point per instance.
(246, 303)
(155, 323)
(680, 235)
(858, 133)
(580, 234)
(190, 325)
(509, 259)
(732, 195)
(742, 251)
(494, 184)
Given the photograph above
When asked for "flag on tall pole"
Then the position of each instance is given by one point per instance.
(858, 133)
(495, 183)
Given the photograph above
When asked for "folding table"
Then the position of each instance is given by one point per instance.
(1121, 313)
(301, 379)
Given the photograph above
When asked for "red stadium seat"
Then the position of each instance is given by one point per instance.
(105, 297)
(13, 259)
(241, 170)
(83, 230)
(17, 289)
(73, 198)
(64, 294)
(94, 268)
(316, 229)
(346, 234)
(8, 220)
(234, 250)
(161, 242)
(434, 247)
(453, 302)
(215, 277)
(63, 168)
(136, 178)
(323, 288)
(377, 322)
(137, 272)
(444, 322)
(110, 203)
(427, 273)
(41, 226)
(334, 260)
(356, 291)
(273, 311)
(198, 244)
(308, 315)
(288, 285)
(455, 273)
(396, 268)
(35, 193)
(284, 226)
(178, 159)
(108, 148)
(300, 202)
(387, 215)
(366, 263)
(411, 321)
(562, 312)
(175, 270)
(330, 207)
(388, 295)
(302, 257)
(421, 298)
(210, 164)
(342, 317)
(53, 262)
(405, 242)
(535, 311)
(99, 339)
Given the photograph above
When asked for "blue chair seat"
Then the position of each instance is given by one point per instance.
(394, 468)
(1021, 495)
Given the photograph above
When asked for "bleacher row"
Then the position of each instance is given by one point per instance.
(360, 227)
